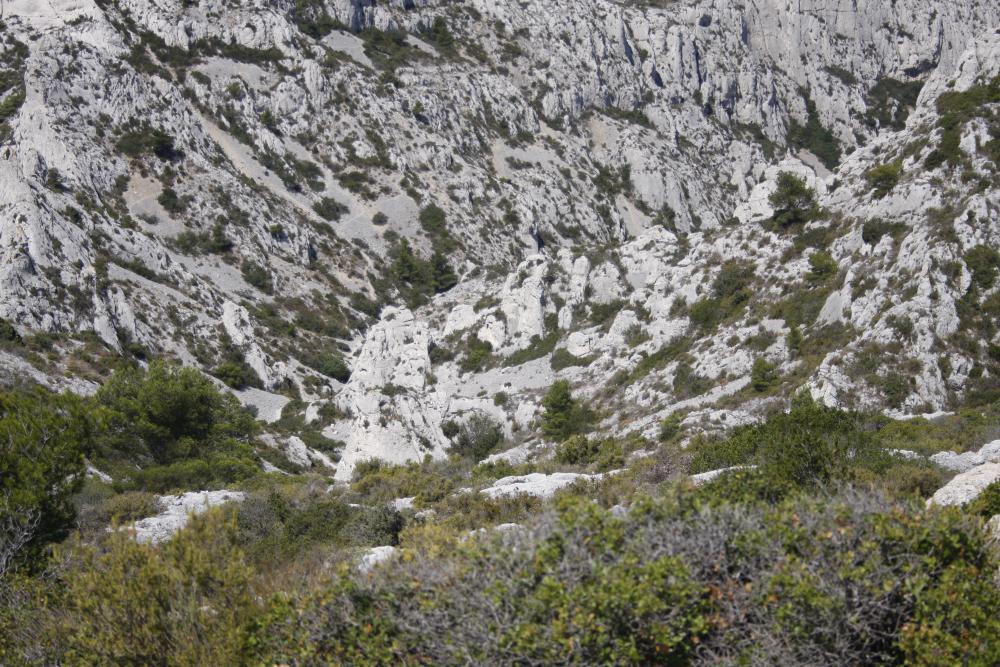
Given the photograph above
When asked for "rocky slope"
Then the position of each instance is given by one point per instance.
(232, 183)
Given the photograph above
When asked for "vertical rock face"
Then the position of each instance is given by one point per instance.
(392, 416)
(171, 170)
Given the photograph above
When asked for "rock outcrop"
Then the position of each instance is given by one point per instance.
(175, 511)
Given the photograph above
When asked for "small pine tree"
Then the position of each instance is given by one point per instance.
(763, 375)
(563, 416)
(443, 275)
(793, 201)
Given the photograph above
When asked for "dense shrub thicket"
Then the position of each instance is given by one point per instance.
(162, 429)
(684, 579)
(817, 548)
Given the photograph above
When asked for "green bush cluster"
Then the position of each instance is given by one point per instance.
(822, 266)
(955, 111)
(330, 209)
(684, 579)
(8, 334)
(257, 276)
(984, 263)
(675, 582)
(278, 524)
(889, 102)
(808, 447)
(873, 230)
(763, 375)
(148, 140)
(415, 278)
(375, 482)
(328, 364)
(814, 136)
(43, 439)
(730, 293)
(602, 453)
(478, 437)
(177, 426)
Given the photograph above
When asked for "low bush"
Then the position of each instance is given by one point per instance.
(822, 266)
(478, 437)
(562, 358)
(330, 209)
(806, 448)
(883, 178)
(237, 374)
(257, 276)
(602, 453)
(129, 506)
(987, 504)
(328, 364)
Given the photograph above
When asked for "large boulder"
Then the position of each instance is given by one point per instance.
(966, 487)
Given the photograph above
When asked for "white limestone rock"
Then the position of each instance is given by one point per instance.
(537, 484)
(966, 487)
(376, 556)
(177, 510)
(705, 477)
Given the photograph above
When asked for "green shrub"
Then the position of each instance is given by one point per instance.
(984, 262)
(561, 359)
(183, 603)
(814, 136)
(328, 364)
(851, 576)
(171, 201)
(129, 506)
(8, 333)
(425, 483)
(670, 426)
(237, 374)
(577, 450)
(477, 354)
(883, 178)
(376, 526)
(807, 447)
(889, 102)
(145, 141)
(330, 209)
(730, 292)
(478, 437)
(168, 413)
(434, 222)
(417, 278)
(257, 276)
(604, 453)
(873, 230)
(687, 383)
(822, 266)
(706, 314)
(763, 375)
(987, 504)
(955, 110)
(793, 201)
(43, 439)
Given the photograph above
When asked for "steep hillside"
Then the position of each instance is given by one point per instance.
(397, 214)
